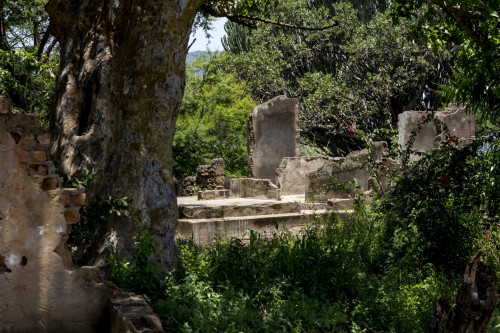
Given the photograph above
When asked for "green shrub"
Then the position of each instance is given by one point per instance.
(441, 206)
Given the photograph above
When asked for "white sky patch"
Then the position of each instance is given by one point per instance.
(212, 44)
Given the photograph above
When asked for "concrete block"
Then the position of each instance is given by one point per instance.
(253, 188)
(213, 194)
(273, 135)
(292, 171)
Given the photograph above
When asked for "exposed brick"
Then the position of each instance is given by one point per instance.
(78, 199)
(24, 156)
(38, 170)
(50, 183)
(72, 215)
(43, 138)
(38, 157)
(28, 142)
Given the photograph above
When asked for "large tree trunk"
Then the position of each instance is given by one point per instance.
(476, 299)
(118, 93)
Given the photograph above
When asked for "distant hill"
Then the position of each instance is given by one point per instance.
(192, 55)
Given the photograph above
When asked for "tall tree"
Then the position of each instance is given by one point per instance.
(118, 93)
(361, 73)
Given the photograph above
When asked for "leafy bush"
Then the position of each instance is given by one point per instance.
(212, 121)
(323, 279)
(441, 206)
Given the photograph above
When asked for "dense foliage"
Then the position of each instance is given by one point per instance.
(378, 270)
(356, 72)
(212, 122)
(27, 63)
(473, 27)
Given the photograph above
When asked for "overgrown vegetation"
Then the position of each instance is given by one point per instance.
(379, 270)
(212, 121)
(28, 57)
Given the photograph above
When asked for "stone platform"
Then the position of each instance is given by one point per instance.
(203, 220)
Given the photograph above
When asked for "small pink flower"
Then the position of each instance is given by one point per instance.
(352, 128)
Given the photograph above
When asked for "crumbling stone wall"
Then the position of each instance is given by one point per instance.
(323, 184)
(41, 290)
(208, 177)
(211, 177)
(453, 121)
(273, 133)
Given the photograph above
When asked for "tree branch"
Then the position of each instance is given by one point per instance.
(250, 21)
(44, 41)
(52, 44)
(463, 18)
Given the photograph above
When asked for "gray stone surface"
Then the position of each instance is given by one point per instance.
(318, 187)
(291, 175)
(324, 184)
(273, 134)
(234, 217)
(213, 194)
(408, 122)
(204, 231)
(460, 124)
(380, 149)
(253, 188)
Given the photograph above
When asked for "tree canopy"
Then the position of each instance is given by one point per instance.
(473, 27)
(212, 121)
(359, 72)
(27, 64)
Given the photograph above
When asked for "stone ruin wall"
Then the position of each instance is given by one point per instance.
(273, 133)
(41, 290)
(273, 148)
(453, 121)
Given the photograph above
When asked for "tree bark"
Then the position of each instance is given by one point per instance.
(476, 299)
(118, 93)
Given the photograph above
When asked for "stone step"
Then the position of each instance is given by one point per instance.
(204, 230)
(203, 211)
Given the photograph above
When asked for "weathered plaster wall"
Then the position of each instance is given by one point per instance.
(291, 175)
(459, 124)
(273, 134)
(40, 291)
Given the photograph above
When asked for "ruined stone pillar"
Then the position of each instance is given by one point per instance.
(273, 133)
